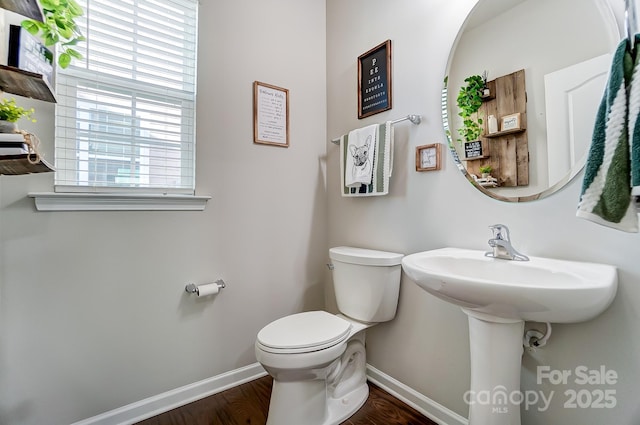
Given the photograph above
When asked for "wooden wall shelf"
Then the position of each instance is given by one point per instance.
(18, 81)
(24, 83)
(504, 133)
(29, 8)
(477, 157)
(19, 164)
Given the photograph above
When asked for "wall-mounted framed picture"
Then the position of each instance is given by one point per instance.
(374, 80)
(270, 115)
(510, 122)
(428, 157)
(28, 53)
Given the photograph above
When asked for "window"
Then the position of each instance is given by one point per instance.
(125, 116)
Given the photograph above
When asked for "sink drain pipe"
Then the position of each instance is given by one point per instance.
(536, 339)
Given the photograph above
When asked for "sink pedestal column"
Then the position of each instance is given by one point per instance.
(496, 360)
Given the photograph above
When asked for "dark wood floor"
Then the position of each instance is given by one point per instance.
(248, 404)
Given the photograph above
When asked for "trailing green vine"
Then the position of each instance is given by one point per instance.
(469, 102)
(59, 28)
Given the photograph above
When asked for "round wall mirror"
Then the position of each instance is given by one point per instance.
(540, 68)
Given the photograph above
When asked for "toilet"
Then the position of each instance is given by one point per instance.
(317, 359)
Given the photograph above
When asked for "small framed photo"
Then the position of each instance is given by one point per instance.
(374, 80)
(428, 157)
(510, 122)
(270, 115)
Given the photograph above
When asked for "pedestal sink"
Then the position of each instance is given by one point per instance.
(499, 296)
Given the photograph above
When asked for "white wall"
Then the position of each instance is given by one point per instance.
(93, 313)
(80, 335)
(426, 346)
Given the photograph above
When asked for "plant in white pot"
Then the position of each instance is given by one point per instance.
(10, 112)
(486, 171)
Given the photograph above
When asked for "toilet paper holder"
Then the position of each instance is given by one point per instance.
(192, 288)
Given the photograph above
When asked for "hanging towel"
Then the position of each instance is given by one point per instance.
(381, 166)
(634, 122)
(360, 154)
(606, 190)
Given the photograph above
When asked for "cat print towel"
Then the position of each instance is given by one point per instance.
(380, 161)
(361, 148)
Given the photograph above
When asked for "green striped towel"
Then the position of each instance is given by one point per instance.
(382, 164)
(606, 189)
(634, 122)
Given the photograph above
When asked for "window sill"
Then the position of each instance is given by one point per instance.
(55, 201)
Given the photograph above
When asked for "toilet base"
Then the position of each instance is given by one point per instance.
(300, 397)
(325, 396)
(342, 409)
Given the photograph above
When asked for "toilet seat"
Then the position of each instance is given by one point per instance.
(303, 333)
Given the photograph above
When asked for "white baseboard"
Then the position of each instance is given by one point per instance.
(152, 406)
(432, 410)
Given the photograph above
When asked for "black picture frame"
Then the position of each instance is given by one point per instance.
(473, 149)
(374, 80)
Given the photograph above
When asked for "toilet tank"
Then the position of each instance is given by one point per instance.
(366, 282)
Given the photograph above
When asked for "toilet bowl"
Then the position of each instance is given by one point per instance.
(318, 359)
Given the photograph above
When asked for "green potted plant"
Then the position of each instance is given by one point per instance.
(10, 113)
(469, 101)
(59, 28)
(486, 171)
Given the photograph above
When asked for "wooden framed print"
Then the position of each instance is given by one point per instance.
(428, 157)
(270, 115)
(510, 122)
(374, 80)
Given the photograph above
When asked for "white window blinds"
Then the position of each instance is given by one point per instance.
(125, 116)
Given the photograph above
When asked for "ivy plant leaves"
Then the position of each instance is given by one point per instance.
(59, 28)
(469, 101)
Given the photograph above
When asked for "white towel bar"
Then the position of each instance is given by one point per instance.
(415, 119)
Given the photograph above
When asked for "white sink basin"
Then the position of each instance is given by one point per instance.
(541, 290)
(498, 296)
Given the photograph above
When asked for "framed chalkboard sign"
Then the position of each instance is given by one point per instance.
(374, 80)
(473, 149)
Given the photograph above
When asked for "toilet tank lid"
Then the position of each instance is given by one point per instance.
(365, 257)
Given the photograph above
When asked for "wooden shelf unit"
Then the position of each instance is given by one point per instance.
(27, 84)
(506, 151)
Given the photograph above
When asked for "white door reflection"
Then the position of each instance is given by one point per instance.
(572, 98)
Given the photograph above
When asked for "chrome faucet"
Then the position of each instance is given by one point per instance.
(501, 244)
